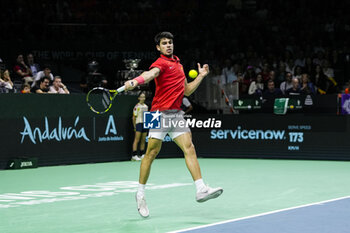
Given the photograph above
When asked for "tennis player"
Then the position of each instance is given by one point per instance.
(171, 86)
(140, 131)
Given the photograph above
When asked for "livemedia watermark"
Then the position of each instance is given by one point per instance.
(161, 120)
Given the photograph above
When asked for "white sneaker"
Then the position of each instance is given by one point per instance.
(207, 193)
(142, 156)
(135, 158)
(142, 206)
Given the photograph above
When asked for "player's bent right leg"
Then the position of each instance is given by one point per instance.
(204, 192)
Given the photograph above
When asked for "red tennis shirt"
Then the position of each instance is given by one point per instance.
(170, 84)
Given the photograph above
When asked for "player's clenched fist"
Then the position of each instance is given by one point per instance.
(130, 85)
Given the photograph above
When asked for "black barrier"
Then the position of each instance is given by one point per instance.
(60, 129)
(293, 136)
(22, 163)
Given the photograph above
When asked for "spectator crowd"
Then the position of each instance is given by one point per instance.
(29, 78)
(283, 46)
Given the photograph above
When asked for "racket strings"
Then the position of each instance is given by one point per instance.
(105, 100)
(99, 100)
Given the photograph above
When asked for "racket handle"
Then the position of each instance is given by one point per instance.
(121, 89)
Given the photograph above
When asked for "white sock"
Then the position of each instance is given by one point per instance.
(199, 184)
(141, 190)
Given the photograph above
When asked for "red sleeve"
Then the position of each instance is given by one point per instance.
(159, 63)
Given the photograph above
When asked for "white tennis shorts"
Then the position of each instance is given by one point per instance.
(172, 123)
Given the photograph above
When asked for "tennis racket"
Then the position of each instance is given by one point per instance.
(100, 99)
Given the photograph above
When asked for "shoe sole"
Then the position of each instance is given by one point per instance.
(138, 210)
(211, 196)
(142, 215)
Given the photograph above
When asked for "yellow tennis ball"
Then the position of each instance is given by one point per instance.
(193, 73)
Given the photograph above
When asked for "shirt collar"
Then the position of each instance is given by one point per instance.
(174, 59)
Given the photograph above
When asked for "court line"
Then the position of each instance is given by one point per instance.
(262, 214)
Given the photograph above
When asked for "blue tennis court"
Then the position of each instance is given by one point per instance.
(321, 217)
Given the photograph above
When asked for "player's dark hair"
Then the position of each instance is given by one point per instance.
(161, 35)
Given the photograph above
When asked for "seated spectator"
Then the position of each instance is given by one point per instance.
(46, 72)
(22, 71)
(319, 59)
(228, 72)
(34, 67)
(272, 75)
(300, 60)
(272, 92)
(281, 73)
(265, 72)
(217, 77)
(307, 87)
(58, 87)
(290, 67)
(242, 87)
(256, 87)
(298, 71)
(249, 76)
(287, 83)
(309, 66)
(269, 95)
(43, 86)
(5, 81)
(320, 80)
(329, 72)
(25, 88)
(295, 89)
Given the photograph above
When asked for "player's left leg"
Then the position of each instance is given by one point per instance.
(204, 192)
(153, 149)
(154, 146)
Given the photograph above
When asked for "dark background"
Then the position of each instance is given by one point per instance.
(67, 35)
(249, 32)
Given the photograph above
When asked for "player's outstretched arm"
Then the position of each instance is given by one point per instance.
(192, 86)
(145, 77)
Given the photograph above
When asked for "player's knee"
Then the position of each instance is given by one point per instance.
(152, 153)
(189, 147)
